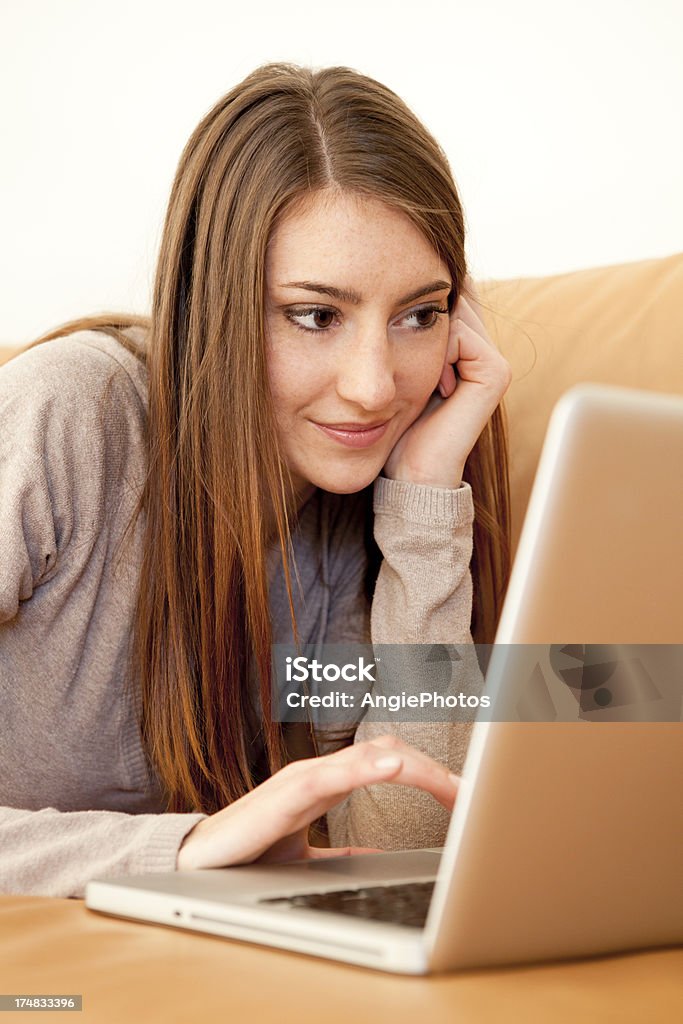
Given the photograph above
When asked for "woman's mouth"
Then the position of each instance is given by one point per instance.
(353, 435)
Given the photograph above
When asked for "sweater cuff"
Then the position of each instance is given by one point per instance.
(161, 849)
(422, 503)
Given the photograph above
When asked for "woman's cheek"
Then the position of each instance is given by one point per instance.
(420, 384)
(297, 384)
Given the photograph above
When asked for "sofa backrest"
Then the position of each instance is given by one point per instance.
(615, 325)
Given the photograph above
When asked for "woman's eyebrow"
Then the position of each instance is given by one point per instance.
(348, 295)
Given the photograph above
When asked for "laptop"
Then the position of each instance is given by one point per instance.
(567, 833)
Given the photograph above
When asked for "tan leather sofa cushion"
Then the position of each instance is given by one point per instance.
(616, 325)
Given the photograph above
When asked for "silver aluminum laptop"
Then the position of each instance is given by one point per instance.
(566, 837)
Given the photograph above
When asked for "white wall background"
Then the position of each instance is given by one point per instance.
(562, 123)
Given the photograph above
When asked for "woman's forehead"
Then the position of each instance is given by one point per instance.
(347, 232)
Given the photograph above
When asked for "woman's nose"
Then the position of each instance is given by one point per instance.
(365, 374)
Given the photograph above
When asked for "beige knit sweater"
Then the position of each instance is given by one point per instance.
(79, 798)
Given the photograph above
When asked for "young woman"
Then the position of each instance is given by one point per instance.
(314, 390)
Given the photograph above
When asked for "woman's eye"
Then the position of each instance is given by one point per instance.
(315, 319)
(431, 315)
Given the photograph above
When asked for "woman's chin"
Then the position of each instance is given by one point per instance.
(347, 480)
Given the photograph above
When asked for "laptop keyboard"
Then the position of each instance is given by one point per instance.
(404, 903)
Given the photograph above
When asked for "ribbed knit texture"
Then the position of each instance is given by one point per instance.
(80, 798)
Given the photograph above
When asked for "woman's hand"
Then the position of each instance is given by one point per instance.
(271, 822)
(434, 449)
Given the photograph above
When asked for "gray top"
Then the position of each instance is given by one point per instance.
(79, 797)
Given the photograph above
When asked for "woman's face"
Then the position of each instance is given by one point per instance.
(349, 340)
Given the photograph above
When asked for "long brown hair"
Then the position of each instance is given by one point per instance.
(215, 462)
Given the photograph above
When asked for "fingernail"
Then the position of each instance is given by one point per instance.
(390, 761)
(442, 391)
(455, 779)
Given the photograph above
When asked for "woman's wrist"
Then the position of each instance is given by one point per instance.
(411, 475)
(432, 506)
(184, 857)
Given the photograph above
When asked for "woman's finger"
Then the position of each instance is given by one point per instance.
(440, 773)
(478, 360)
(473, 349)
(337, 775)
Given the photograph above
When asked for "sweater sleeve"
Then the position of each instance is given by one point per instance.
(423, 595)
(56, 853)
(67, 411)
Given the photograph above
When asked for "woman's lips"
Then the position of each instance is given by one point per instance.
(353, 438)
